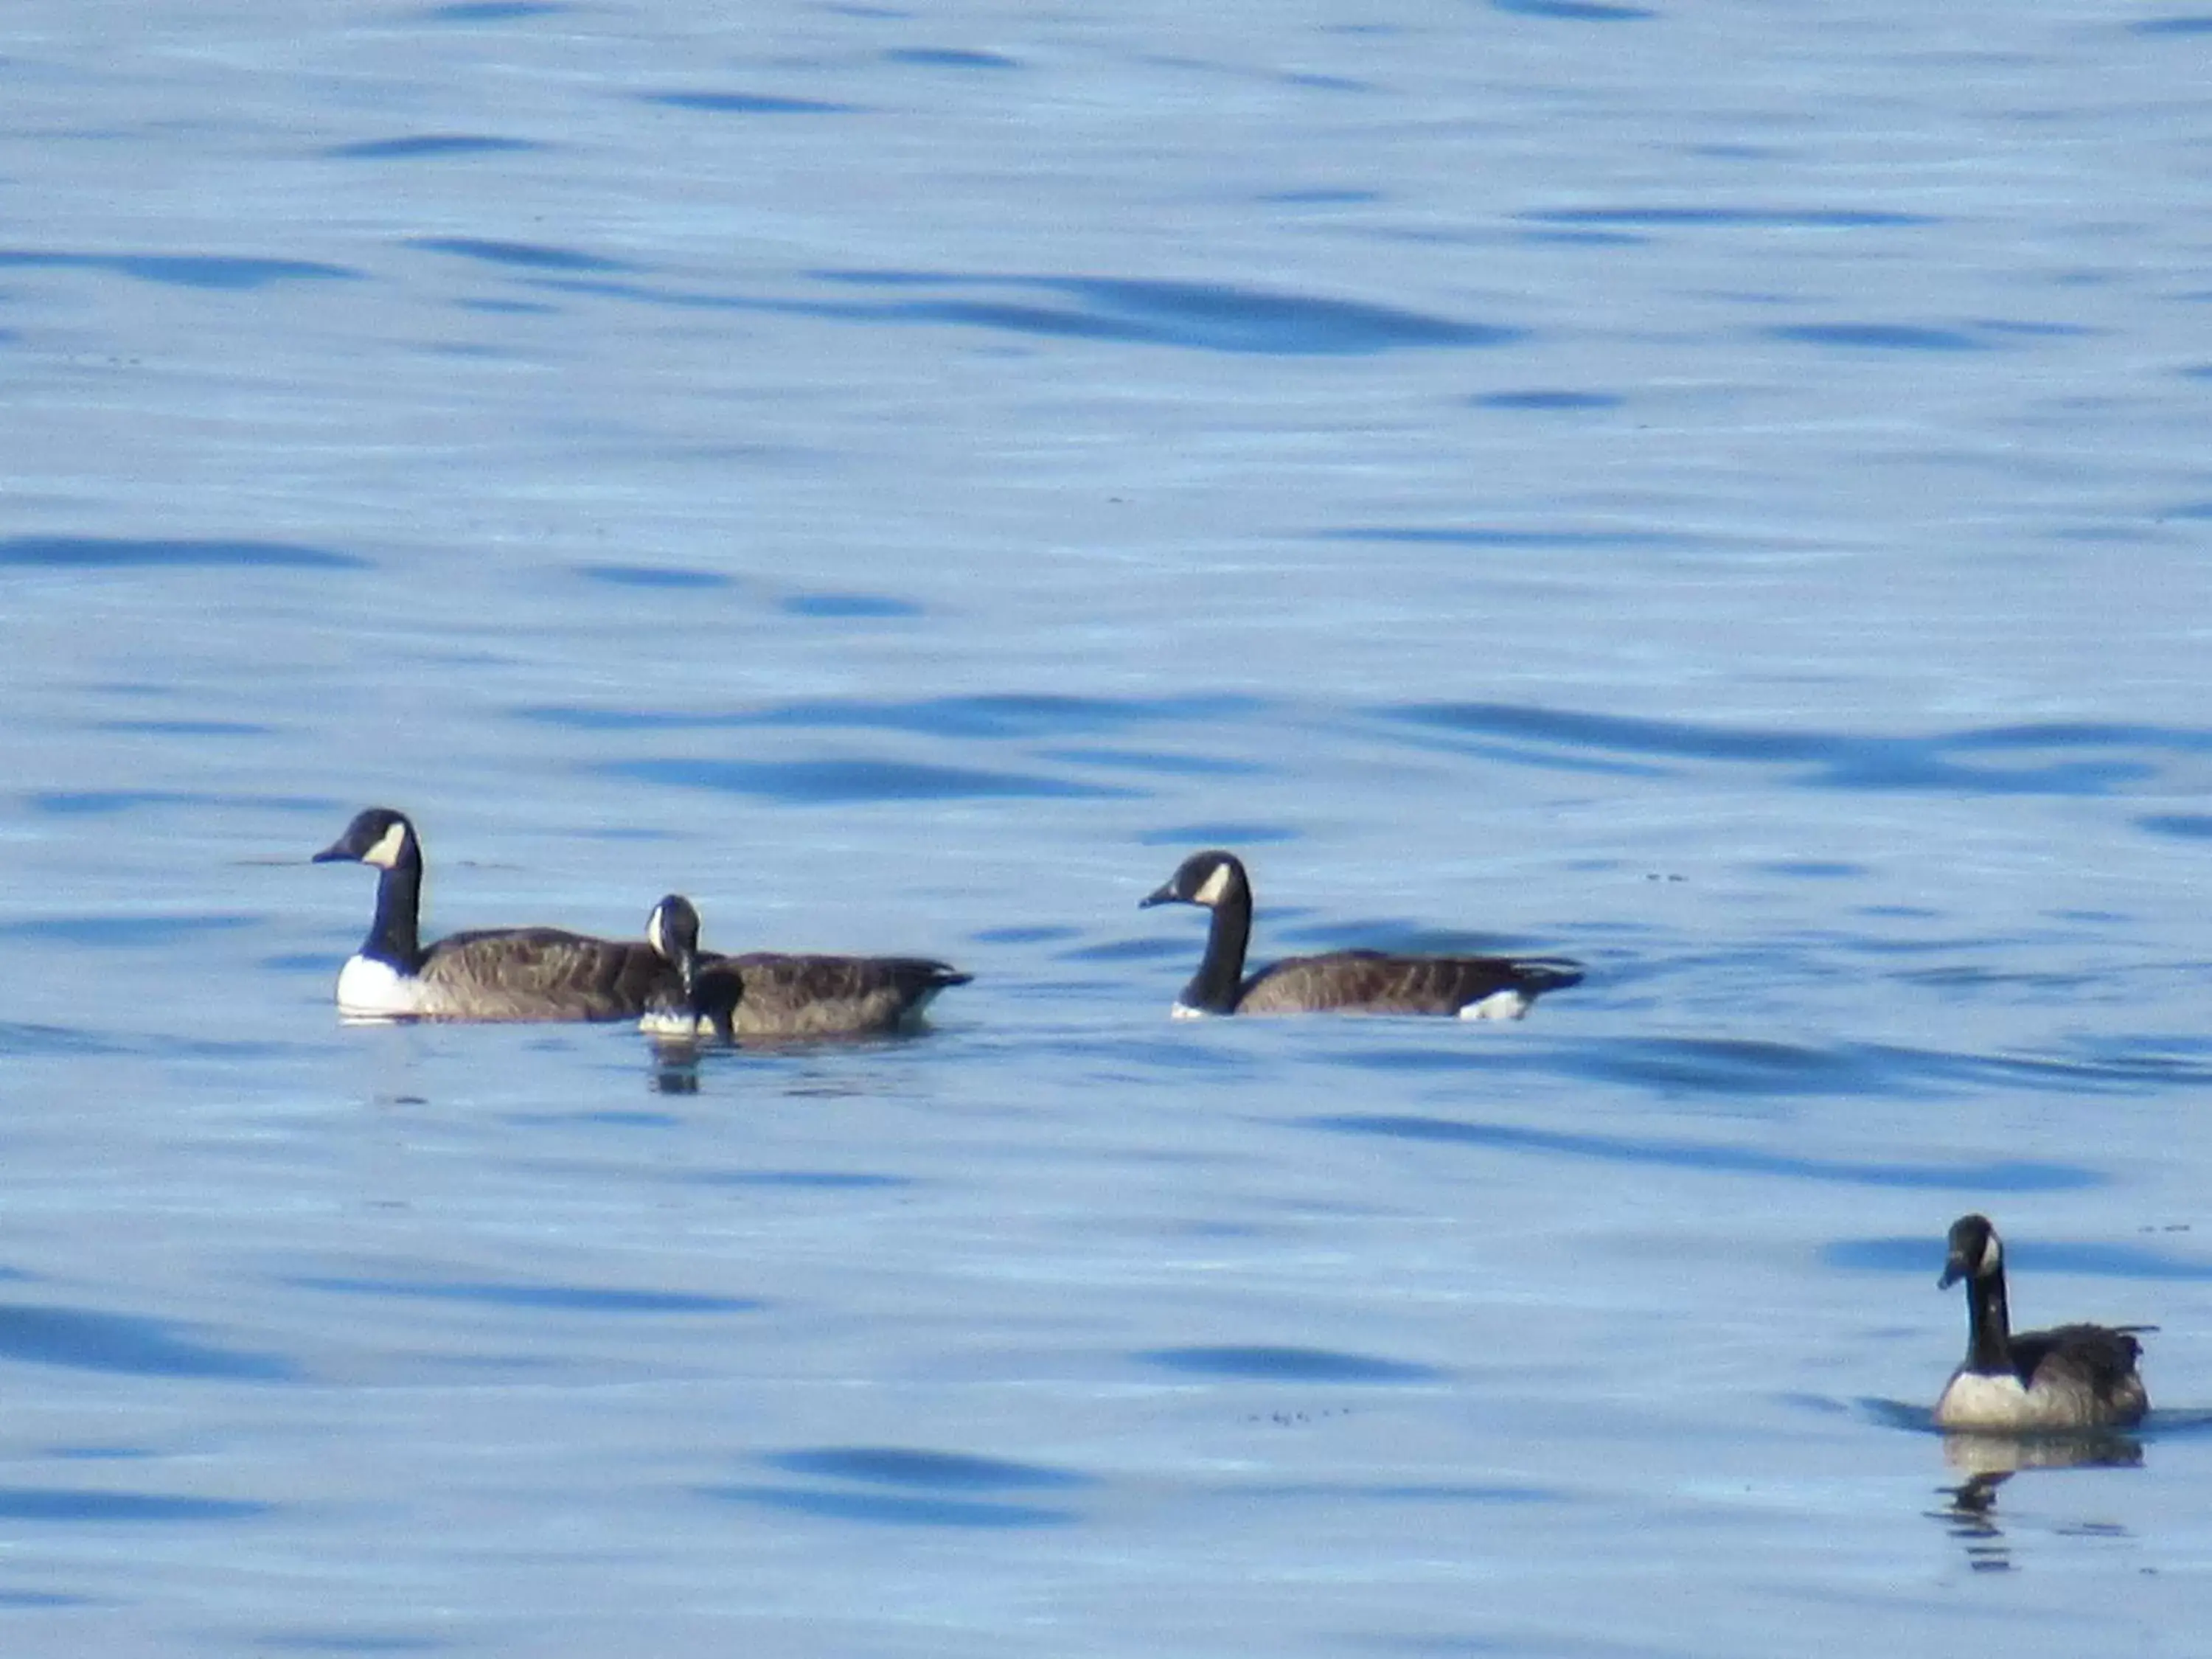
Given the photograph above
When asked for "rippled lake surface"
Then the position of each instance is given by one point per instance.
(1720, 495)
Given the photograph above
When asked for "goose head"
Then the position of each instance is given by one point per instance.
(378, 837)
(1207, 878)
(1975, 1252)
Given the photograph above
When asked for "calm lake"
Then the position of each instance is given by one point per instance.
(1721, 495)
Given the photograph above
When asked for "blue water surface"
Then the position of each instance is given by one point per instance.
(1720, 496)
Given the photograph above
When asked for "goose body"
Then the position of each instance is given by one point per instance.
(2071, 1376)
(1340, 982)
(492, 974)
(766, 995)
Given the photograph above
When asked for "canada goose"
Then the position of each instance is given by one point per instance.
(1342, 981)
(764, 994)
(500, 974)
(2072, 1376)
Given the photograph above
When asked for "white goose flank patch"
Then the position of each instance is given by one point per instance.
(674, 1024)
(1977, 1399)
(1216, 887)
(1184, 1010)
(369, 989)
(1508, 1004)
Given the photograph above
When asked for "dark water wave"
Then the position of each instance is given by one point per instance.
(203, 271)
(1880, 337)
(1193, 316)
(854, 607)
(950, 58)
(2006, 1176)
(1333, 1492)
(125, 1345)
(77, 802)
(826, 783)
(524, 256)
(891, 1509)
(427, 144)
(1277, 1364)
(904, 1465)
(118, 932)
(1159, 762)
(122, 553)
(2085, 759)
(642, 575)
(2028, 1255)
(28, 1041)
(745, 103)
(1574, 11)
(492, 11)
(563, 1299)
(1739, 1068)
(47, 1504)
(1757, 218)
(1507, 537)
(1228, 832)
(801, 1180)
(1548, 400)
(1000, 716)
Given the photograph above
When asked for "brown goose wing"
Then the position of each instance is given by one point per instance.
(2102, 1357)
(829, 996)
(543, 973)
(1370, 982)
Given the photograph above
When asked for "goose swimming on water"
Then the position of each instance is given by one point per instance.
(1341, 981)
(762, 993)
(501, 973)
(2071, 1376)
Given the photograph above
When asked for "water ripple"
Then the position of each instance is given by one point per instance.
(903, 1466)
(1574, 11)
(566, 1298)
(1197, 316)
(126, 1344)
(117, 553)
(46, 1503)
(428, 144)
(1281, 1365)
(527, 256)
(888, 1509)
(820, 782)
(203, 271)
(2009, 1176)
(745, 103)
(847, 606)
(2087, 758)
(1880, 337)
(949, 57)
(645, 576)
(999, 715)
(1919, 1254)
(1759, 218)
(491, 11)
(1505, 536)
(120, 931)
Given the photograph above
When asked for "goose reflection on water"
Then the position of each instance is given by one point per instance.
(1988, 1461)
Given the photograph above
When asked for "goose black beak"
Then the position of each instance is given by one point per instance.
(1166, 895)
(1953, 1270)
(331, 854)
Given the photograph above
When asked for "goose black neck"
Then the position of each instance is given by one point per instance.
(1989, 1325)
(393, 936)
(1212, 989)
